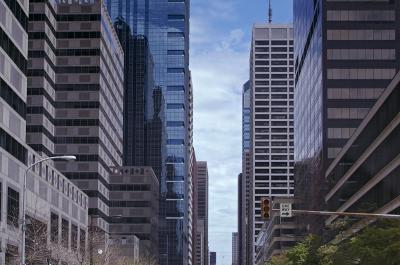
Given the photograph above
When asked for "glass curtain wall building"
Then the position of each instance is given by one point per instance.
(345, 55)
(165, 23)
(245, 184)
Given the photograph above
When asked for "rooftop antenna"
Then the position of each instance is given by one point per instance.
(270, 12)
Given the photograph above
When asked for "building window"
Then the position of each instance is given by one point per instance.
(82, 241)
(74, 237)
(64, 232)
(12, 207)
(54, 228)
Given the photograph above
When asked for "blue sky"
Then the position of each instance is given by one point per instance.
(219, 60)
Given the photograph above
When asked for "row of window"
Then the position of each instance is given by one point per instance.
(12, 51)
(274, 69)
(347, 113)
(12, 98)
(273, 49)
(361, 54)
(354, 93)
(274, 157)
(273, 42)
(274, 89)
(67, 229)
(340, 133)
(66, 17)
(12, 146)
(18, 12)
(273, 83)
(361, 74)
(67, 35)
(130, 187)
(273, 56)
(265, 62)
(12, 206)
(376, 34)
(361, 15)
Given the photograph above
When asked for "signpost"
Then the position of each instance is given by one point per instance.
(286, 210)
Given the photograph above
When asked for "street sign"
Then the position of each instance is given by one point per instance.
(285, 210)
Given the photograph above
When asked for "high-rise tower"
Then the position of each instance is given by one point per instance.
(346, 53)
(165, 24)
(272, 81)
(75, 94)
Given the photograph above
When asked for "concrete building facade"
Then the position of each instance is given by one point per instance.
(53, 202)
(134, 200)
(272, 82)
(235, 248)
(75, 94)
(202, 204)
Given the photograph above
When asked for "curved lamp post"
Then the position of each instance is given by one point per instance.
(23, 225)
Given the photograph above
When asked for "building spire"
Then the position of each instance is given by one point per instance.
(270, 12)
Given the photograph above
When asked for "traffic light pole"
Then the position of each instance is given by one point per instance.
(370, 215)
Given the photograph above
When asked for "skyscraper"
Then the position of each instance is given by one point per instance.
(213, 258)
(346, 54)
(202, 203)
(75, 94)
(52, 202)
(272, 81)
(165, 24)
(235, 248)
(143, 103)
(245, 182)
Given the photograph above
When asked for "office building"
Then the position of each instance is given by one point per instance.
(245, 220)
(143, 103)
(199, 250)
(235, 249)
(272, 82)
(213, 258)
(134, 195)
(364, 175)
(75, 94)
(165, 24)
(346, 54)
(54, 205)
(202, 203)
(277, 235)
(192, 197)
(197, 241)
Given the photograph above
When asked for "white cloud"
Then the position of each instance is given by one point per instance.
(219, 70)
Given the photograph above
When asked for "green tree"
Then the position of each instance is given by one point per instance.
(278, 260)
(378, 244)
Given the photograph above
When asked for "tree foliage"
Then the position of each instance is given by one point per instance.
(377, 244)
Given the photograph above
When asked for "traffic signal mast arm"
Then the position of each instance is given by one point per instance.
(371, 215)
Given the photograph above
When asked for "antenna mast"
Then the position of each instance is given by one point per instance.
(270, 12)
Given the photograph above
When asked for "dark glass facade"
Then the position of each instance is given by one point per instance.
(345, 55)
(364, 175)
(143, 104)
(165, 24)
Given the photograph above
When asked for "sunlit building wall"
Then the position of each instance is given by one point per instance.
(272, 82)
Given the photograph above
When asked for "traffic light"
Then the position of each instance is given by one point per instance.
(266, 208)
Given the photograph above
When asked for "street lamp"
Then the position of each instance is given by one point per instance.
(91, 234)
(23, 225)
